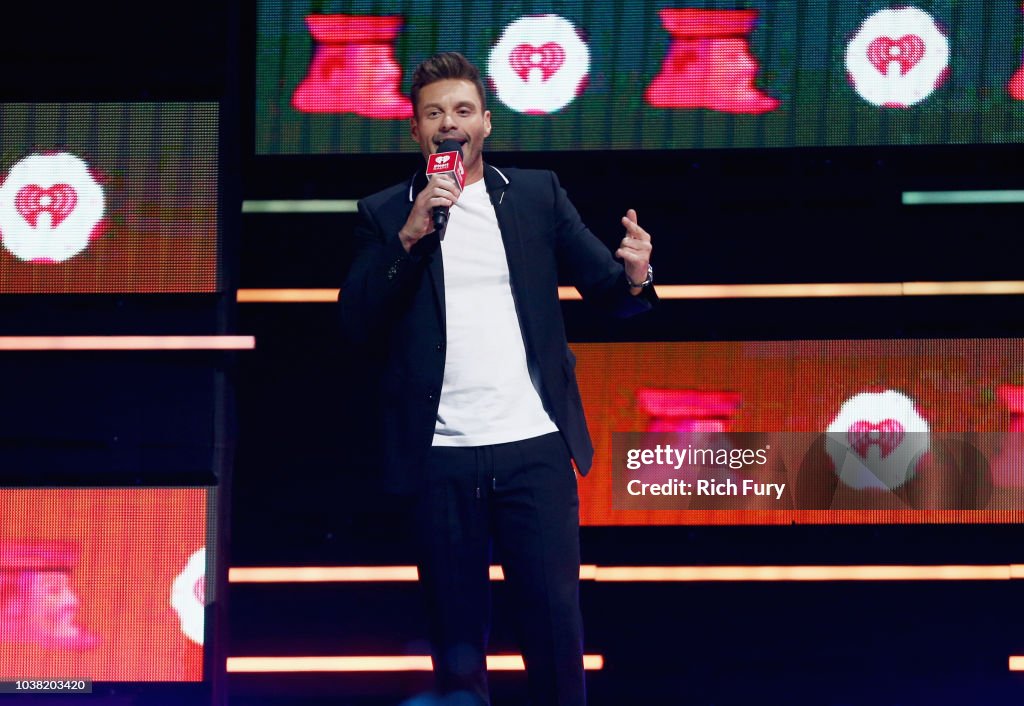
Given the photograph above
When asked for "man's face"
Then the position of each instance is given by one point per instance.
(52, 602)
(451, 110)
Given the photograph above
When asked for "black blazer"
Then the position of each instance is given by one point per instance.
(392, 302)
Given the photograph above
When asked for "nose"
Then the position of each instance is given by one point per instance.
(449, 122)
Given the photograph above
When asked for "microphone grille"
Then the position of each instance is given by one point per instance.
(450, 146)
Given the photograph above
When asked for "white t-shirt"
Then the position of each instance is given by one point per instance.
(487, 396)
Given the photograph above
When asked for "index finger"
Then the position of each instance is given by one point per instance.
(446, 178)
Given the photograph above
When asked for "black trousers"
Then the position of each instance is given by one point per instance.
(522, 496)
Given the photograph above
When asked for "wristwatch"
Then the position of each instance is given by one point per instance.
(646, 283)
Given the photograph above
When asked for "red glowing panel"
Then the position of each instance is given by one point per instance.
(104, 584)
(862, 431)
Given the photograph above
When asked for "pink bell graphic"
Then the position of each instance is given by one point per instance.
(37, 601)
(699, 417)
(688, 411)
(354, 69)
(709, 64)
(1008, 466)
(1016, 85)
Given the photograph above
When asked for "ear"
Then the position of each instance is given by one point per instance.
(414, 129)
(487, 123)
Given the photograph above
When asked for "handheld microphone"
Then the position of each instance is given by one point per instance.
(447, 160)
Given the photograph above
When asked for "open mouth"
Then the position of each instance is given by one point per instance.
(461, 141)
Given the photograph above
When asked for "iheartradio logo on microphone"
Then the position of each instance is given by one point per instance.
(447, 163)
(51, 206)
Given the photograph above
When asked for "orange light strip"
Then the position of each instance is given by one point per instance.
(346, 574)
(1017, 664)
(803, 573)
(126, 343)
(287, 296)
(919, 289)
(717, 291)
(764, 291)
(407, 663)
(322, 574)
(592, 572)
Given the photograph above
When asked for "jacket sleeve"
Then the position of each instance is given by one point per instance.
(381, 280)
(589, 264)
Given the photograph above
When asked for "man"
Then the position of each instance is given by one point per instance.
(38, 603)
(482, 412)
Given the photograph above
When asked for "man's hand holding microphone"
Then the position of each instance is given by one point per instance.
(430, 209)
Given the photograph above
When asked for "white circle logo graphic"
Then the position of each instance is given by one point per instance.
(897, 58)
(50, 206)
(188, 596)
(539, 64)
(876, 440)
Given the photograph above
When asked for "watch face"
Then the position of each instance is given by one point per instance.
(649, 279)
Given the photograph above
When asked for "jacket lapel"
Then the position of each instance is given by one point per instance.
(435, 266)
(507, 210)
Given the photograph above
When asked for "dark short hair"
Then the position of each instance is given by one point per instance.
(446, 65)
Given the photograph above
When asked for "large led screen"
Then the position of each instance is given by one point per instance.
(103, 584)
(877, 431)
(108, 198)
(333, 76)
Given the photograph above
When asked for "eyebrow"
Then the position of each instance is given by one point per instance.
(460, 104)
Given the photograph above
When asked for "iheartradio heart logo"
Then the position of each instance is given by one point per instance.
(442, 159)
(526, 57)
(50, 207)
(886, 435)
(906, 51)
(876, 440)
(33, 200)
(897, 57)
(539, 64)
